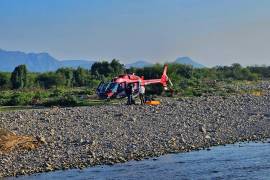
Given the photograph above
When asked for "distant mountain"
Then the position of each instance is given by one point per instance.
(37, 62)
(43, 62)
(188, 61)
(139, 64)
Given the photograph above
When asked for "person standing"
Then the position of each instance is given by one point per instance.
(129, 94)
(142, 94)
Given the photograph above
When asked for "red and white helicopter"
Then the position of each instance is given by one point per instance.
(116, 88)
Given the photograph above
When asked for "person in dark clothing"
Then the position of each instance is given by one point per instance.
(129, 94)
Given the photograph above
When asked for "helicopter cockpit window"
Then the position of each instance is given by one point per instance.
(103, 87)
(113, 87)
(100, 86)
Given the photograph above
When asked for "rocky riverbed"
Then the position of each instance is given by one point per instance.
(88, 136)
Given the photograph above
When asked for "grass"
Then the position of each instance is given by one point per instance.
(16, 108)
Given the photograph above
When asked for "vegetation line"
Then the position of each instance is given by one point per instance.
(76, 87)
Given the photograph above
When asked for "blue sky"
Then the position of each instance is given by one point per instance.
(209, 31)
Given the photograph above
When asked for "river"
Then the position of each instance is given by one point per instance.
(237, 161)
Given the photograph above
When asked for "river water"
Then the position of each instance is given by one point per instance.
(237, 161)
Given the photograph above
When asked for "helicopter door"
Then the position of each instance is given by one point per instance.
(121, 90)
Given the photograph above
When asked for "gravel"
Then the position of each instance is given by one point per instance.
(87, 136)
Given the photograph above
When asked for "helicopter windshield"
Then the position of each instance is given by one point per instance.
(102, 87)
(113, 87)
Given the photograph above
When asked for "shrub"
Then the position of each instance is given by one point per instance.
(41, 95)
(59, 92)
(20, 99)
(5, 97)
(67, 101)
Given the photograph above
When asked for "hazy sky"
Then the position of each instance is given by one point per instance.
(209, 31)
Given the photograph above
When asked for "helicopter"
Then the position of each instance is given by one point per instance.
(116, 88)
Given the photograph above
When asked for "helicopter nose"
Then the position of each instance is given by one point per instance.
(110, 94)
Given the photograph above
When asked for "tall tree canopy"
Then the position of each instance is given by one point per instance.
(19, 77)
(67, 76)
(80, 76)
(107, 69)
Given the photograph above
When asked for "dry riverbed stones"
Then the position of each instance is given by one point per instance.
(87, 136)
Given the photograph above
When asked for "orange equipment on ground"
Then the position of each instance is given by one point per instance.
(154, 103)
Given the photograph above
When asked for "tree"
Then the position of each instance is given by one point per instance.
(49, 80)
(153, 72)
(19, 77)
(67, 76)
(184, 70)
(205, 73)
(4, 80)
(80, 77)
(117, 67)
(31, 80)
(101, 68)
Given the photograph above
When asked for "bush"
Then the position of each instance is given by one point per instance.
(5, 97)
(20, 99)
(67, 101)
(4, 101)
(41, 95)
(59, 92)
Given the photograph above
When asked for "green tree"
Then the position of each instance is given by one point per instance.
(184, 70)
(31, 80)
(4, 80)
(205, 73)
(101, 68)
(67, 76)
(117, 67)
(49, 80)
(81, 77)
(153, 72)
(19, 77)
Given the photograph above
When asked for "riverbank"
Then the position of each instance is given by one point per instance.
(236, 161)
(88, 136)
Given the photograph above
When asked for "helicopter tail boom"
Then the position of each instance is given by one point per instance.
(164, 78)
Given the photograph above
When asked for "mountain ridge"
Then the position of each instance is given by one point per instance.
(44, 62)
(188, 61)
(37, 62)
(139, 64)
